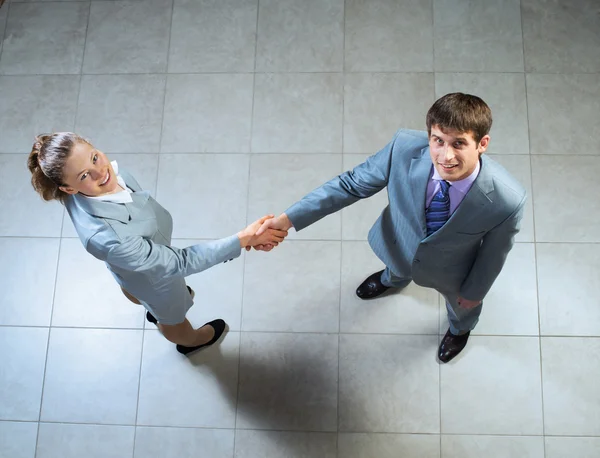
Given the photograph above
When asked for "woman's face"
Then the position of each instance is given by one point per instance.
(88, 171)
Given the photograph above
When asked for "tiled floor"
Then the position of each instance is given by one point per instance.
(229, 109)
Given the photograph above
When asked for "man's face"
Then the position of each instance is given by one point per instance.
(455, 154)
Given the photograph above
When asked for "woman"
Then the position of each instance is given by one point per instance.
(123, 226)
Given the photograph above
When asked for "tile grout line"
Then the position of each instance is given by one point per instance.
(159, 147)
(4, 32)
(62, 224)
(87, 28)
(537, 286)
(164, 102)
(281, 72)
(249, 155)
(210, 428)
(137, 407)
(339, 339)
(48, 340)
(439, 298)
(339, 335)
(508, 336)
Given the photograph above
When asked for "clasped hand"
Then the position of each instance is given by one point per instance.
(263, 234)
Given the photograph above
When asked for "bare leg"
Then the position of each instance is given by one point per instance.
(184, 334)
(130, 297)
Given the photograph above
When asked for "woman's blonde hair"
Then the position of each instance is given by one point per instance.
(47, 160)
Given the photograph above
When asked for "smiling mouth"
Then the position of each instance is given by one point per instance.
(106, 180)
(449, 166)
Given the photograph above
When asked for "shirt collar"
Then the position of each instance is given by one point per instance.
(463, 185)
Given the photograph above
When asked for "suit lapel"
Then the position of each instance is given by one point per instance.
(111, 210)
(418, 177)
(129, 180)
(103, 209)
(476, 200)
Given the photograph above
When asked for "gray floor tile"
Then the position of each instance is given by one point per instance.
(567, 447)
(300, 36)
(27, 49)
(92, 376)
(571, 398)
(376, 105)
(359, 445)
(277, 181)
(492, 446)
(156, 442)
(58, 440)
(566, 104)
(196, 188)
(201, 389)
(122, 113)
(389, 35)
(28, 280)
(3, 18)
(561, 186)
(299, 294)
(568, 288)
(267, 444)
(561, 36)
(470, 384)
(30, 216)
(298, 113)
(33, 105)
(207, 113)
(23, 357)
(288, 382)
(488, 38)
(519, 166)
(389, 384)
(17, 439)
(128, 37)
(213, 36)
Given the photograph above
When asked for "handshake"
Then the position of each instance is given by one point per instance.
(265, 233)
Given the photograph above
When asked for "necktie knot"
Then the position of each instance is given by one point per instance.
(444, 186)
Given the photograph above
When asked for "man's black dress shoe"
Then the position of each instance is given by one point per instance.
(372, 287)
(452, 345)
(218, 325)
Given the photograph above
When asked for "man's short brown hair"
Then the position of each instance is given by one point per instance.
(461, 112)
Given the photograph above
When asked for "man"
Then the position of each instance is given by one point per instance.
(452, 214)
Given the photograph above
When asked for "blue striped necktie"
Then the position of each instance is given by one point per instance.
(438, 211)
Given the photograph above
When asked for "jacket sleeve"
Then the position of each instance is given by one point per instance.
(363, 181)
(138, 254)
(492, 255)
